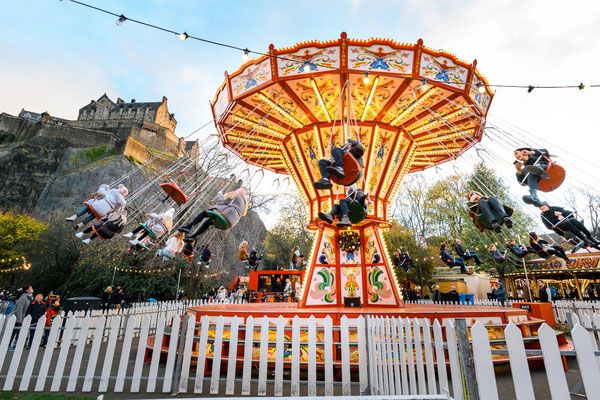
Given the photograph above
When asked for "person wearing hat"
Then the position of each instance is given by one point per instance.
(107, 201)
(335, 165)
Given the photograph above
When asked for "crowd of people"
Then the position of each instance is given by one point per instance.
(22, 304)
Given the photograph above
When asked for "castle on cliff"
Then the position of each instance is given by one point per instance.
(140, 130)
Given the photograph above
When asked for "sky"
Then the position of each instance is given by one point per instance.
(56, 56)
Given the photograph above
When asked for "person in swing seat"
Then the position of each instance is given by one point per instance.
(158, 224)
(340, 210)
(108, 201)
(465, 254)
(488, 212)
(205, 255)
(452, 261)
(253, 259)
(562, 221)
(232, 206)
(531, 165)
(518, 249)
(335, 164)
(106, 228)
(502, 256)
(544, 249)
(172, 247)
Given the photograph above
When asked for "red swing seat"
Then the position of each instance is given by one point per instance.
(557, 177)
(169, 185)
(352, 171)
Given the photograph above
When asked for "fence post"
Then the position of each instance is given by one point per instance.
(177, 372)
(466, 358)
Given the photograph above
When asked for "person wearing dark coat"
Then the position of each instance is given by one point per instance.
(500, 293)
(406, 260)
(20, 311)
(518, 249)
(341, 209)
(531, 165)
(561, 221)
(106, 228)
(544, 249)
(544, 291)
(253, 259)
(590, 292)
(37, 309)
(107, 299)
(465, 254)
(488, 212)
(437, 294)
(452, 261)
(502, 256)
(205, 255)
(335, 165)
(453, 295)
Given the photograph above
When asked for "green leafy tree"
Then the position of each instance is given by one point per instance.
(289, 231)
(424, 257)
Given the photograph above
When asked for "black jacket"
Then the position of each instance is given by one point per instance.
(544, 294)
(206, 254)
(519, 250)
(446, 256)
(459, 250)
(359, 196)
(36, 310)
(550, 220)
(537, 152)
(107, 299)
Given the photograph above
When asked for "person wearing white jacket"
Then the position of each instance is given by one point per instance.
(98, 207)
(173, 246)
(158, 224)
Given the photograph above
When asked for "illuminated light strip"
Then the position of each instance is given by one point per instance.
(391, 170)
(372, 156)
(259, 127)
(441, 146)
(281, 110)
(369, 98)
(263, 157)
(261, 151)
(304, 170)
(390, 269)
(320, 98)
(313, 254)
(253, 142)
(279, 165)
(439, 152)
(419, 162)
(410, 109)
(438, 120)
(454, 135)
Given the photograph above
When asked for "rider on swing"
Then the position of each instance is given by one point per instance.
(335, 165)
(531, 165)
(340, 210)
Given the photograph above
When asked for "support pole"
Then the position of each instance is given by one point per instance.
(466, 358)
(178, 281)
(112, 282)
(529, 294)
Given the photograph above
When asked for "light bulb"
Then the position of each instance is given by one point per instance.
(304, 68)
(366, 78)
(183, 36)
(245, 55)
(481, 88)
(424, 85)
(121, 19)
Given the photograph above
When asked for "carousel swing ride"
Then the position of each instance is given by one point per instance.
(409, 106)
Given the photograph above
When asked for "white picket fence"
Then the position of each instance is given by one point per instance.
(384, 356)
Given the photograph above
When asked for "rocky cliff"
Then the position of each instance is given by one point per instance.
(54, 169)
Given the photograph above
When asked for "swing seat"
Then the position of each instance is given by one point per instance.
(219, 220)
(148, 230)
(102, 233)
(351, 171)
(141, 246)
(356, 212)
(557, 177)
(174, 192)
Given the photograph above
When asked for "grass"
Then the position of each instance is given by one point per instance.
(40, 396)
(93, 154)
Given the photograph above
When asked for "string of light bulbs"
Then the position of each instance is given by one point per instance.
(24, 266)
(121, 18)
(163, 270)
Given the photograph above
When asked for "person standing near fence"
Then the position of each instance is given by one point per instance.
(545, 292)
(107, 299)
(51, 313)
(19, 311)
(36, 309)
(500, 293)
